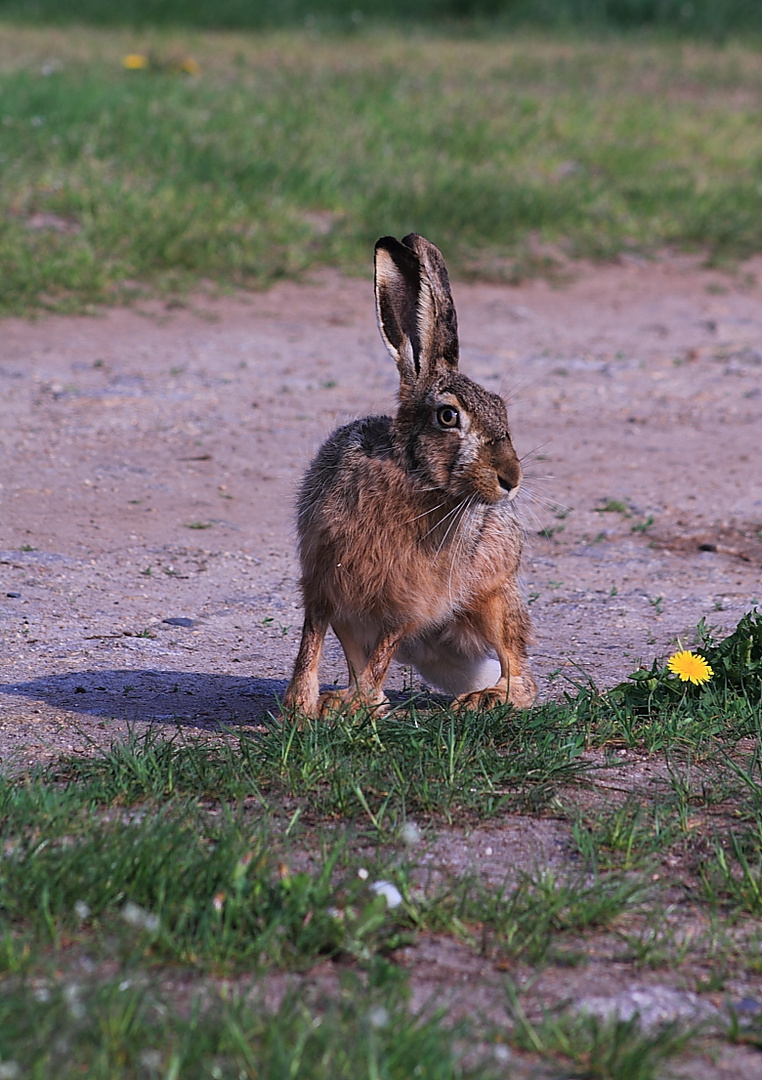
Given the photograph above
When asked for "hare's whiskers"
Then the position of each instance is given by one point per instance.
(529, 455)
(545, 502)
(455, 521)
(513, 394)
(441, 522)
(453, 524)
(424, 514)
(528, 480)
(459, 544)
(542, 500)
(526, 493)
(526, 509)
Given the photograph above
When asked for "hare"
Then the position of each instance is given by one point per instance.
(408, 536)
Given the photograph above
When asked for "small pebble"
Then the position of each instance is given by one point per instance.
(14, 595)
(747, 1005)
(178, 622)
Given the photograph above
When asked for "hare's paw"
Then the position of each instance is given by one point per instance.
(298, 705)
(523, 691)
(332, 701)
(352, 701)
(489, 698)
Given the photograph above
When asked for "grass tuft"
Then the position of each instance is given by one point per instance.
(596, 1049)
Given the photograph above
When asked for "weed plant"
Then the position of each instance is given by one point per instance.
(654, 709)
(736, 662)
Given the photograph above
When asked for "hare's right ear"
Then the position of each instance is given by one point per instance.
(416, 315)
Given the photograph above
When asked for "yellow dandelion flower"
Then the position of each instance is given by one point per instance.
(190, 66)
(689, 667)
(135, 61)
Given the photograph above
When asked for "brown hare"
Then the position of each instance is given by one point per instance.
(408, 536)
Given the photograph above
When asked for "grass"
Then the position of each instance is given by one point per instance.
(225, 891)
(127, 1029)
(613, 1050)
(703, 16)
(626, 835)
(536, 918)
(378, 770)
(147, 890)
(287, 152)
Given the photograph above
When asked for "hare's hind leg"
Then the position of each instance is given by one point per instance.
(503, 622)
(368, 661)
(303, 691)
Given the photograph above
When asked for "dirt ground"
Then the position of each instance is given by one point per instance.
(149, 459)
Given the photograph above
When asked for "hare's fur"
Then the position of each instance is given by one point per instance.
(408, 537)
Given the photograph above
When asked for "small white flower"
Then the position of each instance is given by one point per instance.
(362, 873)
(502, 1053)
(378, 1017)
(390, 892)
(42, 994)
(134, 915)
(81, 910)
(410, 834)
(151, 1059)
(9, 1070)
(71, 997)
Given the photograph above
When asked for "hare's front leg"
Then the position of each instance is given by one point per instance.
(367, 670)
(503, 621)
(303, 691)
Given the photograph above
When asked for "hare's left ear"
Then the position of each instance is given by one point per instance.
(416, 315)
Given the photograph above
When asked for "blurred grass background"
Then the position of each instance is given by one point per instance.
(715, 17)
(513, 149)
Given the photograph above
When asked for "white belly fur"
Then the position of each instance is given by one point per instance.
(440, 662)
(448, 669)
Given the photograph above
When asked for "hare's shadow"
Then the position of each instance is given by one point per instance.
(175, 698)
(188, 699)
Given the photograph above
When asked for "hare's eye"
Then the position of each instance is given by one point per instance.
(447, 417)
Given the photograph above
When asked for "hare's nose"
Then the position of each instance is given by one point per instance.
(510, 480)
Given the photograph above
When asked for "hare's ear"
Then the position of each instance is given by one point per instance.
(416, 315)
